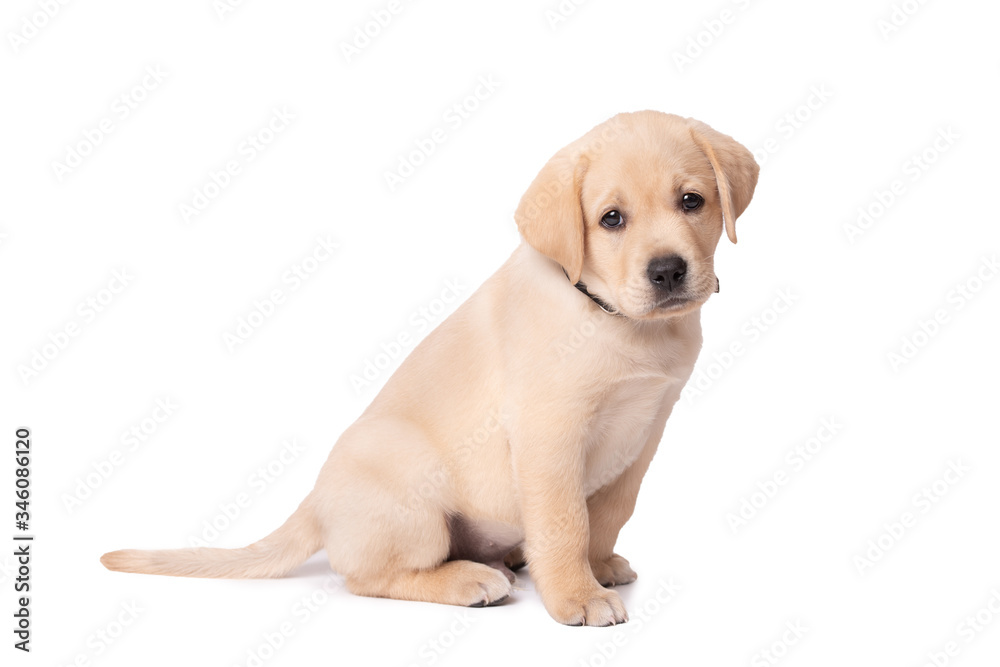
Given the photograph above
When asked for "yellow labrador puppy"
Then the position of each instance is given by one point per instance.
(521, 427)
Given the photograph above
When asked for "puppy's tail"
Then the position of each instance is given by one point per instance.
(274, 556)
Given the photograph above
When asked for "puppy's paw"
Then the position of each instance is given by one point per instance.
(486, 587)
(614, 571)
(592, 606)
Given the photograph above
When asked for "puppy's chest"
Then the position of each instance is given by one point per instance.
(620, 428)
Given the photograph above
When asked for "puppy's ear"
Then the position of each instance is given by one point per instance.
(550, 217)
(735, 171)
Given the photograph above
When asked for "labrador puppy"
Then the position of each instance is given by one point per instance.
(519, 429)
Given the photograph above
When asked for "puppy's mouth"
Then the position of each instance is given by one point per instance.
(670, 305)
(673, 303)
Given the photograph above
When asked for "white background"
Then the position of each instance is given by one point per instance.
(884, 97)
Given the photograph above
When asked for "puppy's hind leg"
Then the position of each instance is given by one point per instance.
(458, 582)
(406, 559)
(387, 530)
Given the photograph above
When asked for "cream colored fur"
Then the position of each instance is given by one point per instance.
(529, 415)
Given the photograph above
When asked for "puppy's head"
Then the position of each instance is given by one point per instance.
(635, 208)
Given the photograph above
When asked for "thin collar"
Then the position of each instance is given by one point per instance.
(604, 305)
(601, 303)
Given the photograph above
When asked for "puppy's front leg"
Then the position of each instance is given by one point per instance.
(609, 508)
(612, 505)
(557, 533)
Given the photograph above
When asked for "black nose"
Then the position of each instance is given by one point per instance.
(667, 273)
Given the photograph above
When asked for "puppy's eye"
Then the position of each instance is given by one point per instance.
(612, 219)
(691, 201)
